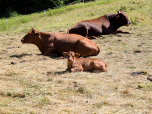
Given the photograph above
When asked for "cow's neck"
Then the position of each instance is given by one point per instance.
(71, 64)
(41, 41)
(114, 21)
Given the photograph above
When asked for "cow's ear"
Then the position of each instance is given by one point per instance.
(33, 29)
(37, 34)
(64, 53)
(119, 12)
(77, 54)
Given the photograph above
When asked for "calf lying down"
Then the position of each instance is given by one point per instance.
(84, 64)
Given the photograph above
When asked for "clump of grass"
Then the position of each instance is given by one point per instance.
(12, 14)
(60, 81)
(3, 25)
(140, 86)
(127, 105)
(105, 2)
(35, 85)
(81, 90)
(19, 95)
(100, 104)
(145, 86)
(130, 66)
(134, 20)
(5, 103)
(44, 101)
(12, 94)
(9, 94)
(109, 53)
(125, 91)
(122, 8)
(49, 79)
(24, 19)
(32, 112)
(149, 86)
(2, 93)
(12, 73)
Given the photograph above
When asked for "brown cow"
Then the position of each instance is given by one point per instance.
(84, 64)
(107, 24)
(57, 43)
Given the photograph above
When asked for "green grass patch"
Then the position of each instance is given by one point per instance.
(138, 12)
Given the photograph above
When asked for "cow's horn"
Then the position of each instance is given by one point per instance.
(119, 11)
(32, 28)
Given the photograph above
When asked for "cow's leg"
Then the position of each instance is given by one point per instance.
(99, 70)
(120, 31)
(92, 37)
(76, 68)
(79, 29)
(49, 50)
(101, 66)
(86, 30)
(94, 32)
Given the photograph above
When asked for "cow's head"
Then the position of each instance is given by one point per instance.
(123, 18)
(31, 36)
(70, 55)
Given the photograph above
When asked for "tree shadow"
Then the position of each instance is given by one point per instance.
(19, 56)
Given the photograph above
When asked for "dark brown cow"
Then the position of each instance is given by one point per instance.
(107, 24)
(84, 64)
(57, 43)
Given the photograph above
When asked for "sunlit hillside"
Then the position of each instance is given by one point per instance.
(31, 83)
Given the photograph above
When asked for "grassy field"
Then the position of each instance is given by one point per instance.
(31, 83)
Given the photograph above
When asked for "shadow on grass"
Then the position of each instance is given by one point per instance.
(53, 56)
(21, 55)
(57, 73)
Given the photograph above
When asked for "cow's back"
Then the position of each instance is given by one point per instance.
(93, 27)
(87, 47)
(64, 42)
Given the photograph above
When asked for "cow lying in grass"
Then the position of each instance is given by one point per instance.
(57, 43)
(84, 64)
(107, 24)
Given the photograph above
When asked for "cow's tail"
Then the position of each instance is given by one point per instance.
(98, 50)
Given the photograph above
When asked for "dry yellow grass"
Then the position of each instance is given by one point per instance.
(31, 83)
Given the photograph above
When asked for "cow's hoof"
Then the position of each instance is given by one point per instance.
(61, 57)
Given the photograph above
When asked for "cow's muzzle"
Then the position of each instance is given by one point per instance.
(128, 23)
(70, 60)
(22, 40)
